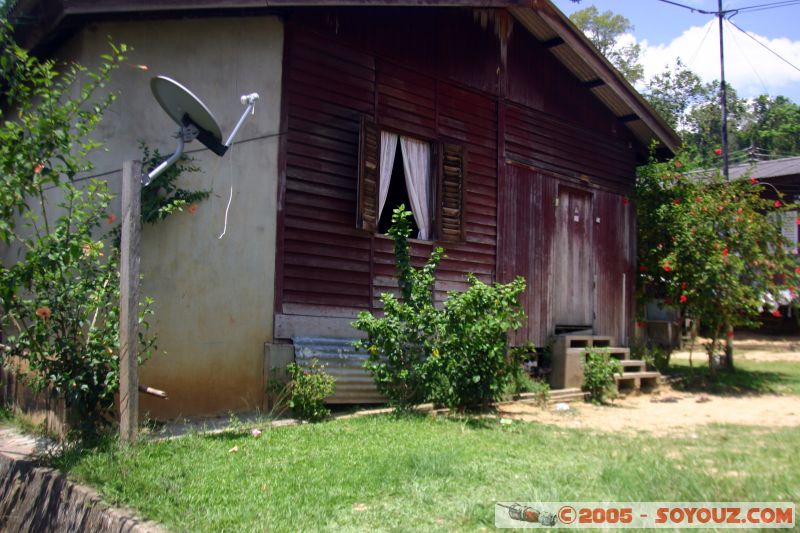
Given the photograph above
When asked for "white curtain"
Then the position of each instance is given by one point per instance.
(388, 151)
(417, 166)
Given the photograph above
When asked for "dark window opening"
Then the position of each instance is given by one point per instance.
(398, 194)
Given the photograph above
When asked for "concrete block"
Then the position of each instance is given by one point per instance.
(567, 369)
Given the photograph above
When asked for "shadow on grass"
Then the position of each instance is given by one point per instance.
(736, 382)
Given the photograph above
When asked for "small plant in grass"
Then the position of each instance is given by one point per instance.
(598, 374)
(309, 386)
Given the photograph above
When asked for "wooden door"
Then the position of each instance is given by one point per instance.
(572, 265)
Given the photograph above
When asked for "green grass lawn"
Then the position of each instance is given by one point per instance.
(427, 473)
(748, 377)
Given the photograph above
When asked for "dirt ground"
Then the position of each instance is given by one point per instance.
(667, 411)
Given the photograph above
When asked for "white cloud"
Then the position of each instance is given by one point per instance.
(750, 68)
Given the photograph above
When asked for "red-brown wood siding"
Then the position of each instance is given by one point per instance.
(328, 264)
(615, 258)
(411, 71)
(527, 225)
(529, 249)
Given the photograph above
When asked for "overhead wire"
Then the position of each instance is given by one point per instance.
(764, 7)
(747, 59)
(776, 54)
(700, 46)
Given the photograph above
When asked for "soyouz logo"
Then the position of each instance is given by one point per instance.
(623, 515)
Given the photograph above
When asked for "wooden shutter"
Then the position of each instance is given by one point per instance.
(368, 175)
(451, 193)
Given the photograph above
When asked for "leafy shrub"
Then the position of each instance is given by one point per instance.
(455, 355)
(59, 303)
(598, 374)
(519, 379)
(163, 196)
(520, 382)
(655, 356)
(309, 386)
(473, 366)
(400, 343)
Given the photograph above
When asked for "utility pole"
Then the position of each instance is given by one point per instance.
(723, 92)
(723, 95)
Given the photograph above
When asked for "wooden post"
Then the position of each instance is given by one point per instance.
(129, 302)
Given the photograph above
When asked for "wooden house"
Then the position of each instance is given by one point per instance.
(512, 139)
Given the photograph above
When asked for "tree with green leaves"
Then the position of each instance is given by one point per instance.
(712, 247)
(772, 126)
(674, 92)
(59, 299)
(606, 31)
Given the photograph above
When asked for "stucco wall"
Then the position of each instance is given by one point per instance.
(214, 298)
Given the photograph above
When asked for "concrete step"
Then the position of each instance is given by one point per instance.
(635, 380)
(613, 351)
(633, 365)
(565, 342)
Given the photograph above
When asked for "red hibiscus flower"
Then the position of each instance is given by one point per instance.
(777, 313)
(683, 298)
(777, 203)
(676, 201)
(667, 268)
(718, 151)
(753, 181)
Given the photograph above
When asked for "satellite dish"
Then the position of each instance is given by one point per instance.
(188, 110)
(193, 118)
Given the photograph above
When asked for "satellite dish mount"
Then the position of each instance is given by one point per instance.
(194, 120)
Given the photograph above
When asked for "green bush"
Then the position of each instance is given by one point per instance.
(454, 355)
(473, 366)
(519, 380)
(598, 374)
(400, 343)
(59, 302)
(655, 356)
(309, 386)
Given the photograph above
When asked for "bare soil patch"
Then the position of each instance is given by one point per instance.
(666, 412)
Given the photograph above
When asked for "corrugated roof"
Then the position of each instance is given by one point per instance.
(788, 166)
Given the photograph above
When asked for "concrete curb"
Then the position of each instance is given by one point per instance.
(35, 498)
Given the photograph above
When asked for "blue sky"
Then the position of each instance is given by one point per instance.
(667, 32)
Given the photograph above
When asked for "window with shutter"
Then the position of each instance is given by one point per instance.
(396, 169)
(368, 176)
(451, 195)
